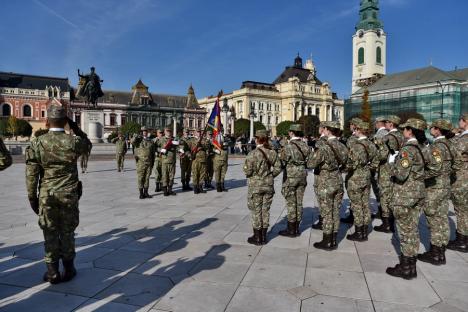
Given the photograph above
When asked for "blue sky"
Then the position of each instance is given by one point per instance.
(217, 44)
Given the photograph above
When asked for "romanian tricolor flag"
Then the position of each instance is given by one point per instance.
(214, 122)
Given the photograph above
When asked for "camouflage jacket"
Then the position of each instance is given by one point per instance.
(5, 156)
(199, 149)
(186, 144)
(221, 158)
(408, 174)
(446, 157)
(144, 149)
(120, 146)
(461, 166)
(362, 153)
(379, 135)
(393, 141)
(352, 138)
(260, 170)
(171, 147)
(294, 157)
(326, 161)
(51, 163)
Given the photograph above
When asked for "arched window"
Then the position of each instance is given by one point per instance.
(27, 112)
(309, 111)
(6, 109)
(379, 55)
(361, 56)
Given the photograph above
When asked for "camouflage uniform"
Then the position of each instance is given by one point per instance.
(85, 158)
(319, 224)
(378, 137)
(120, 151)
(261, 166)
(185, 160)
(5, 156)
(157, 165)
(209, 164)
(199, 149)
(168, 148)
(220, 165)
(144, 154)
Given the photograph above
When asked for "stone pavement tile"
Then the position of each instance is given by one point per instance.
(455, 270)
(108, 241)
(323, 303)
(238, 238)
(263, 300)
(386, 288)
(88, 282)
(344, 245)
(336, 260)
(282, 256)
(274, 276)
(104, 305)
(170, 264)
(244, 227)
(32, 252)
(234, 253)
(301, 242)
(450, 306)
(394, 307)
(377, 246)
(26, 275)
(205, 235)
(10, 264)
(122, 260)
(185, 248)
(8, 293)
(230, 218)
(87, 254)
(337, 283)
(137, 289)
(197, 296)
(216, 270)
(302, 292)
(151, 245)
(377, 263)
(44, 301)
(455, 293)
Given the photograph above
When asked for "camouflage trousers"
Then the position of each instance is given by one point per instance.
(330, 203)
(209, 169)
(294, 196)
(198, 172)
(120, 161)
(220, 170)
(358, 194)
(143, 170)
(386, 191)
(460, 203)
(185, 169)
(436, 212)
(168, 172)
(157, 169)
(259, 205)
(84, 162)
(407, 220)
(58, 219)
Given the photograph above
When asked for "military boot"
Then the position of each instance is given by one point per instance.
(349, 219)
(289, 231)
(145, 192)
(365, 232)
(377, 215)
(164, 188)
(326, 243)
(298, 230)
(334, 243)
(435, 255)
(69, 271)
(358, 235)
(142, 195)
(170, 191)
(405, 269)
(52, 275)
(223, 187)
(256, 238)
(459, 244)
(319, 224)
(200, 187)
(219, 188)
(196, 189)
(264, 236)
(385, 227)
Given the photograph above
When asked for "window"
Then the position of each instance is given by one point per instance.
(317, 111)
(309, 111)
(361, 56)
(379, 55)
(27, 110)
(277, 119)
(43, 113)
(123, 120)
(190, 122)
(112, 119)
(261, 118)
(199, 123)
(269, 120)
(6, 109)
(78, 119)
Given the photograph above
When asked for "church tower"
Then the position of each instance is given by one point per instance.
(369, 46)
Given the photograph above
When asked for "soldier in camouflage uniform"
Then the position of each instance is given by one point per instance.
(199, 147)
(389, 145)
(294, 157)
(321, 139)
(157, 165)
(328, 157)
(438, 191)
(261, 166)
(362, 153)
(168, 147)
(460, 189)
(378, 137)
(5, 156)
(209, 160)
(54, 190)
(120, 151)
(85, 158)
(144, 156)
(409, 193)
(185, 159)
(220, 165)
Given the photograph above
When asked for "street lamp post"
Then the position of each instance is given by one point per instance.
(225, 110)
(252, 115)
(442, 87)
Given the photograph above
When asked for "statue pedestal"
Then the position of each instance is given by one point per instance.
(92, 123)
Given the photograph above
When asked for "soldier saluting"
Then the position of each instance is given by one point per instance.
(54, 190)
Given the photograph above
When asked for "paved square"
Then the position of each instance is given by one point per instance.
(189, 253)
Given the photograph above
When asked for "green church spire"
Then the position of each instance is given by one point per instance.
(369, 15)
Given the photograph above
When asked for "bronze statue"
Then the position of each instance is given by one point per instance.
(90, 87)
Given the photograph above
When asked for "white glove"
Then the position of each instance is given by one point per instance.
(181, 151)
(163, 151)
(175, 142)
(391, 158)
(217, 151)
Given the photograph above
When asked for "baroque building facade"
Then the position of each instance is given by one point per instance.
(294, 93)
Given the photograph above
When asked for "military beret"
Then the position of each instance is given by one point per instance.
(261, 134)
(380, 119)
(332, 124)
(56, 112)
(355, 120)
(442, 124)
(168, 129)
(415, 124)
(363, 125)
(143, 129)
(393, 119)
(295, 127)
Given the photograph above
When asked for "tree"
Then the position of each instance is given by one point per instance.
(4, 127)
(366, 110)
(24, 128)
(404, 116)
(12, 126)
(283, 127)
(241, 127)
(310, 125)
(111, 136)
(130, 128)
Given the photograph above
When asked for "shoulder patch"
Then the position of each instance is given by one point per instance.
(405, 163)
(404, 154)
(436, 154)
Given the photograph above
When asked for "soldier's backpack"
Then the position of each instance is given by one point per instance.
(340, 151)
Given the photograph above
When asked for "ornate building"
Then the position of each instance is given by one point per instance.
(294, 93)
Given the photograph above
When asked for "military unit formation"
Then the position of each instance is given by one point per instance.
(408, 176)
